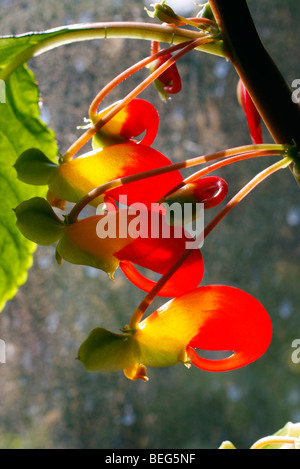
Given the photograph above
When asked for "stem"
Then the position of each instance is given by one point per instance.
(135, 68)
(274, 440)
(264, 82)
(139, 312)
(98, 191)
(260, 177)
(221, 164)
(141, 87)
(41, 42)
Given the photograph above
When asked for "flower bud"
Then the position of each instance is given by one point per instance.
(209, 191)
(164, 13)
(252, 114)
(206, 12)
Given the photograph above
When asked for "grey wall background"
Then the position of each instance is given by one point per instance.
(47, 399)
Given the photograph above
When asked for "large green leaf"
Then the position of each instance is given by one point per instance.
(20, 129)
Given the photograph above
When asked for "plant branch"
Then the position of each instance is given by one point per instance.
(41, 42)
(190, 45)
(257, 70)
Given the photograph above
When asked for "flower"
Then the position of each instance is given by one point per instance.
(119, 238)
(115, 154)
(72, 180)
(213, 318)
(252, 114)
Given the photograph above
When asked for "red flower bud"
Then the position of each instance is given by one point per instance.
(252, 114)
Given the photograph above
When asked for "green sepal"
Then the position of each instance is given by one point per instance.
(164, 13)
(38, 222)
(206, 12)
(161, 91)
(106, 351)
(33, 167)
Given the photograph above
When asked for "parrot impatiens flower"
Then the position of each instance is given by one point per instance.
(118, 238)
(115, 154)
(72, 180)
(252, 114)
(211, 318)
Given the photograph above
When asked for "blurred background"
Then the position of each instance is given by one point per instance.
(47, 399)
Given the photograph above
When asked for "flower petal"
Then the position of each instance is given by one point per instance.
(208, 318)
(109, 240)
(210, 191)
(169, 82)
(135, 118)
(157, 248)
(79, 176)
(93, 241)
(252, 114)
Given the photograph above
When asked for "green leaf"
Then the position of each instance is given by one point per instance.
(20, 129)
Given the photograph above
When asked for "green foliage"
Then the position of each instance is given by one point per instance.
(20, 129)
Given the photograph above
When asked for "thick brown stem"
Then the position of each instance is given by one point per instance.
(256, 68)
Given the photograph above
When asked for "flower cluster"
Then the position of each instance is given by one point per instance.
(136, 189)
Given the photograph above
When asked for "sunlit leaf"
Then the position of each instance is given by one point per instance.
(20, 129)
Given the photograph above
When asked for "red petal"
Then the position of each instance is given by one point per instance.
(130, 122)
(159, 255)
(170, 78)
(74, 179)
(235, 322)
(252, 114)
(148, 191)
(142, 116)
(211, 191)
